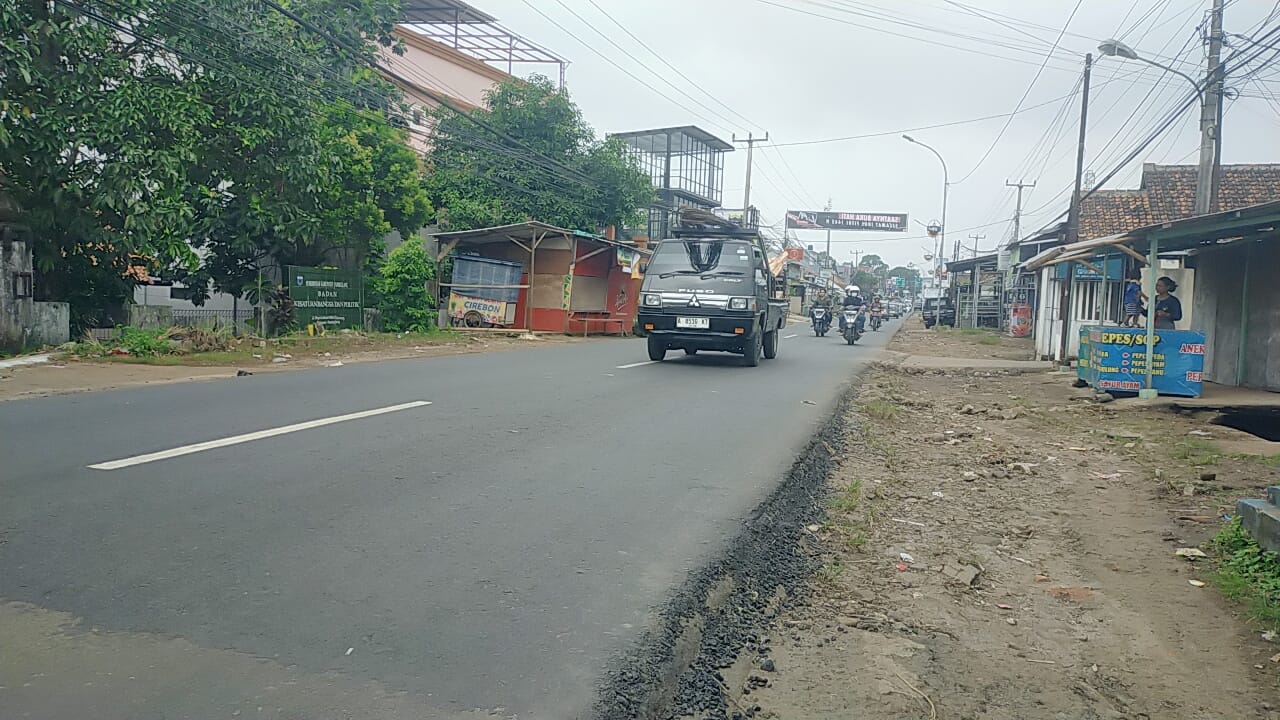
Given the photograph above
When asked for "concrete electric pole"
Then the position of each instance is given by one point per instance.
(975, 237)
(1073, 214)
(1017, 214)
(750, 141)
(1210, 116)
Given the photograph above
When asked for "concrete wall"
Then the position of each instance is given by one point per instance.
(1220, 298)
(160, 295)
(24, 322)
(50, 323)
(150, 316)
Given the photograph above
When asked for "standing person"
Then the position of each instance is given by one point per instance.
(1134, 300)
(1168, 308)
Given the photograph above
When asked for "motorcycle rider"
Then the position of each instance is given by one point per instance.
(823, 300)
(877, 308)
(853, 299)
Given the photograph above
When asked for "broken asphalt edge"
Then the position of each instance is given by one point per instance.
(673, 670)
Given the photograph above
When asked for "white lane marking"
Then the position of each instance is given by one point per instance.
(788, 337)
(249, 437)
(635, 365)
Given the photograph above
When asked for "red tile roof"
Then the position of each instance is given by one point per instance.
(1168, 193)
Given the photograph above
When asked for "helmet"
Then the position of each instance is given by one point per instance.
(852, 290)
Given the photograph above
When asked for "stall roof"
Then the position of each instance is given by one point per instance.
(1188, 234)
(970, 263)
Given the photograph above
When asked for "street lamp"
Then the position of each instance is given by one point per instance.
(1115, 48)
(1210, 120)
(946, 184)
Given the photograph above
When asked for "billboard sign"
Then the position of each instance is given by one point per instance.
(327, 298)
(822, 220)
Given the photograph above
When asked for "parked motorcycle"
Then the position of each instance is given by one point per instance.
(851, 327)
(821, 319)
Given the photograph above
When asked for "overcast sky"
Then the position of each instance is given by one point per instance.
(891, 65)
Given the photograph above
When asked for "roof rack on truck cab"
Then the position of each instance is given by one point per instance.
(721, 223)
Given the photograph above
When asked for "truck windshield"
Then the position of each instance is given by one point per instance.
(701, 257)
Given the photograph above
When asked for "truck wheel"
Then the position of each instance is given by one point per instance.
(771, 345)
(657, 349)
(751, 353)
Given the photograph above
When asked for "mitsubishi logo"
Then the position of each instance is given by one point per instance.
(693, 301)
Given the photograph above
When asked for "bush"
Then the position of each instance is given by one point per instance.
(1248, 573)
(401, 286)
(142, 342)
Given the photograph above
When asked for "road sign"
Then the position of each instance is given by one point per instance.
(328, 298)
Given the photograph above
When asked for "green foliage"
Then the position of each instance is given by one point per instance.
(848, 499)
(880, 410)
(1248, 573)
(546, 165)
(1195, 452)
(144, 342)
(282, 316)
(401, 289)
(874, 265)
(143, 130)
(866, 281)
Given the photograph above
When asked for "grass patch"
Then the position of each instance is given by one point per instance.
(1268, 460)
(831, 571)
(848, 499)
(971, 331)
(1196, 452)
(880, 410)
(1248, 574)
(989, 340)
(196, 347)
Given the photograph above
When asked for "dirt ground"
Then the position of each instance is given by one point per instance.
(1000, 546)
(966, 343)
(68, 374)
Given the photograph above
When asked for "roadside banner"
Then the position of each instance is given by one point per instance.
(824, 220)
(1117, 360)
(491, 312)
(328, 298)
(628, 260)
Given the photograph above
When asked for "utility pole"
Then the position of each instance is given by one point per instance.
(975, 238)
(1210, 114)
(750, 141)
(1017, 214)
(1073, 215)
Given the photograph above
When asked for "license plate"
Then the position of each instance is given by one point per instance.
(694, 323)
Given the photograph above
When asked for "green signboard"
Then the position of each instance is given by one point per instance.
(328, 298)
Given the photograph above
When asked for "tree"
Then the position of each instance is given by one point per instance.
(874, 265)
(912, 274)
(401, 289)
(133, 130)
(533, 158)
(95, 135)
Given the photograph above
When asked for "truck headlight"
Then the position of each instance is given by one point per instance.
(652, 300)
(742, 303)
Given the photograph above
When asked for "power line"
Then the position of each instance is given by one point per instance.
(906, 36)
(1023, 99)
(672, 67)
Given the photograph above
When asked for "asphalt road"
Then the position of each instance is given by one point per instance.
(487, 554)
